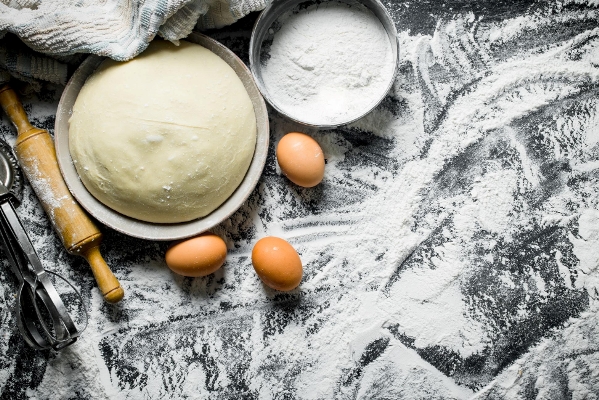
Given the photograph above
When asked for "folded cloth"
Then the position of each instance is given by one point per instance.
(111, 28)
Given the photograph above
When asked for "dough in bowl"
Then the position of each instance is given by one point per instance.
(166, 137)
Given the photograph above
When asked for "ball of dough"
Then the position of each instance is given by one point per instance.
(166, 137)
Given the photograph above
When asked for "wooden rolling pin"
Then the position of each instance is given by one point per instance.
(35, 150)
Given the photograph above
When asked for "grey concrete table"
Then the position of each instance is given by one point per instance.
(451, 252)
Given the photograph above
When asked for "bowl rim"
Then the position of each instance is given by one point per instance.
(148, 230)
(255, 49)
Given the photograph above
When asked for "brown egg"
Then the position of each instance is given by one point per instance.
(301, 159)
(198, 256)
(277, 263)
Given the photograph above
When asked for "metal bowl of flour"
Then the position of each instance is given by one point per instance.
(148, 230)
(266, 27)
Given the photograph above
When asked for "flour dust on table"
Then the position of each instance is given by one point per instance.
(451, 251)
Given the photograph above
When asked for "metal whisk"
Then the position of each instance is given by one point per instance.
(43, 316)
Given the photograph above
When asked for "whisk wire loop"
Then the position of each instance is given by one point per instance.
(42, 316)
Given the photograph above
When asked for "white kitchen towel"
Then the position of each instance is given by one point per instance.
(111, 28)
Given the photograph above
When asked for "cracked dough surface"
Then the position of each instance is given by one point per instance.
(166, 137)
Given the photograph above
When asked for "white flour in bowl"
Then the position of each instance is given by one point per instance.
(328, 64)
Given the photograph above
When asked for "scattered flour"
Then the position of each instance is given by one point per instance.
(586, 246)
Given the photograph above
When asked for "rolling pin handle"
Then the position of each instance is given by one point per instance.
(14, 109)
(107, 282)
(89, 248)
